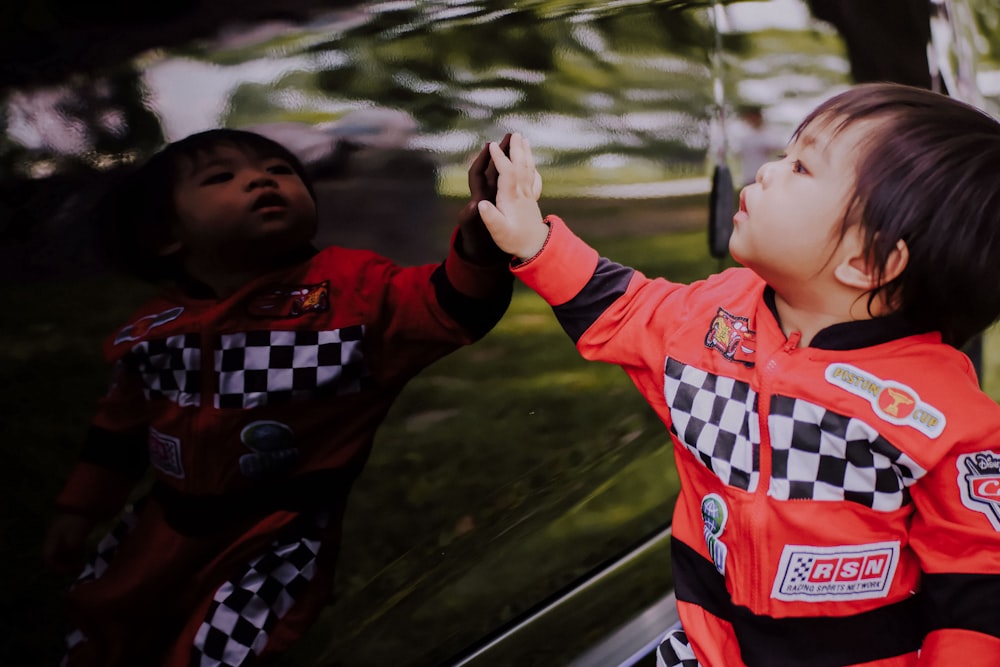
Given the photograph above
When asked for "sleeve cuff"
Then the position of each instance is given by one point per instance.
(959, 647)
(477, 281)
(562, 267)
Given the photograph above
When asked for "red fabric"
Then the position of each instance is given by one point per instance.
(908, 399)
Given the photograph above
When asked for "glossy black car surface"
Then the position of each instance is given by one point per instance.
(516, 508)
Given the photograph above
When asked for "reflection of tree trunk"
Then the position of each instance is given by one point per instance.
(886, 39)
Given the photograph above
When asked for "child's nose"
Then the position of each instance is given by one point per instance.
(261, 180)
(763, 171)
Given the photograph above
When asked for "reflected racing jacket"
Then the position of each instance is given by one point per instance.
(839, 504)
(255, 414)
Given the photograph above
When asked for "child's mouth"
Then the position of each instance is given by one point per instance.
(269, 200)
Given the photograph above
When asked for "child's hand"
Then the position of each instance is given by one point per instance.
(477, 245)
(515, 222)
(62, 550)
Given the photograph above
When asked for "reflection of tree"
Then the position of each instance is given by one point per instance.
(493, 61)
(90, 121)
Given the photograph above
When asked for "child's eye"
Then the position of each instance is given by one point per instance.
(280, 169)
(220, 177)
(799, 168)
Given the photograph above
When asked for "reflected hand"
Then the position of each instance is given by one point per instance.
(515, 222)
(62, 550)
(477, 245)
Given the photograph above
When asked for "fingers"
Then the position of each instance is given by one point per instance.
(492, 175)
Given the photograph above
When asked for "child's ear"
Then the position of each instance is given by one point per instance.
(857, 271)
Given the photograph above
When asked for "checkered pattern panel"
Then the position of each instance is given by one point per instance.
(108, 547)
(716, 419)
(170, 367)
(822, 455)
(245, 609)
(98, 565)
(675, 651)
(259, 368)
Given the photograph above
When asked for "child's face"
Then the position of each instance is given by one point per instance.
(235, 207)
(788, 227)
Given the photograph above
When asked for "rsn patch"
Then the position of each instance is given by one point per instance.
(165, 453)
(979, 483)
(828, 574)
(894, 402)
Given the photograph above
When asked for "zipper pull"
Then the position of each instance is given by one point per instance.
(793, 341)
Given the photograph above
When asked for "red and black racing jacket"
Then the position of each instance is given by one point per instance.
(839, 503)
(269, 400)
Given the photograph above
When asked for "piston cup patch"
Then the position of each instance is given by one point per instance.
(894, 402)
(165, 453)
(827, 574)
(979, 483)
(715, 513)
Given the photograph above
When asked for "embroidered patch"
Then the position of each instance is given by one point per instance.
(826, 574)
(731, 335)
(272, 443)
(165, 453)
(894, 402)
(979, 483)
(715, 514)
(280, 302)
(141, 327)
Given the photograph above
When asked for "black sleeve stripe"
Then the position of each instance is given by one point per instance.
(610, 280)
(125, 453)
(477, 316)
(963, 601)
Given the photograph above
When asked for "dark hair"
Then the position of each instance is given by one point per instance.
(930, 176)
(133, 219)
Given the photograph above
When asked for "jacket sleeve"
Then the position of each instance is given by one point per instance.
(425, 312)
(607, 309)
(956, 535)
(114, 454)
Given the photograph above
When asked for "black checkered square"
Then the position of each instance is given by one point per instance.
(258, 368)
(98, 564)
(675, 651)
(716, 419)
(170, 367)
(107, 547)
(821, 455)
(245, 609)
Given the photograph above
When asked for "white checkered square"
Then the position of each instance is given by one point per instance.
(98, 565)
(821, 455)
(258, 368)
(170, 367)
(245, 609)
(715, 417)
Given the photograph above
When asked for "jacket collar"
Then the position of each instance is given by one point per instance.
(856, 334)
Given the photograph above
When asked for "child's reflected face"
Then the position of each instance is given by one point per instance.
(233, 203)
(788, 227)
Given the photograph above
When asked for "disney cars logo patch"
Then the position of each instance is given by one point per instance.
(731, 335)
(290, 301)
(979, 483)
